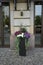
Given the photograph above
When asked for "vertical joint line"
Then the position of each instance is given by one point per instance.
(27, 4)
(15, 1)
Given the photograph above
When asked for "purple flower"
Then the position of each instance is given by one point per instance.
(17, 33)
(27, 35)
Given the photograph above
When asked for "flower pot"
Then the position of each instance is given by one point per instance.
(22, 49)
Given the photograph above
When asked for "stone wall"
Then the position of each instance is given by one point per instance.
(26, 20)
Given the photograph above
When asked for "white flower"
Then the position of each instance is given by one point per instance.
(20, 35)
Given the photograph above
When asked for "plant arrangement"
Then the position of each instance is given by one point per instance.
(24, 34)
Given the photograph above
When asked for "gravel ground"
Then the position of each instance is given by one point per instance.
(11, 57)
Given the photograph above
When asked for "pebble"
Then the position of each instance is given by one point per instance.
(11, 57)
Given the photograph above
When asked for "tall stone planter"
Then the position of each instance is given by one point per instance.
(22, 49)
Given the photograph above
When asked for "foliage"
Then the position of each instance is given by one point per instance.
(23, 30)
(37, 20)
(7, 21)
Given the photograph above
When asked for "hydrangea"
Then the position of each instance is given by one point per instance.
(17, 33)
(27, 35)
